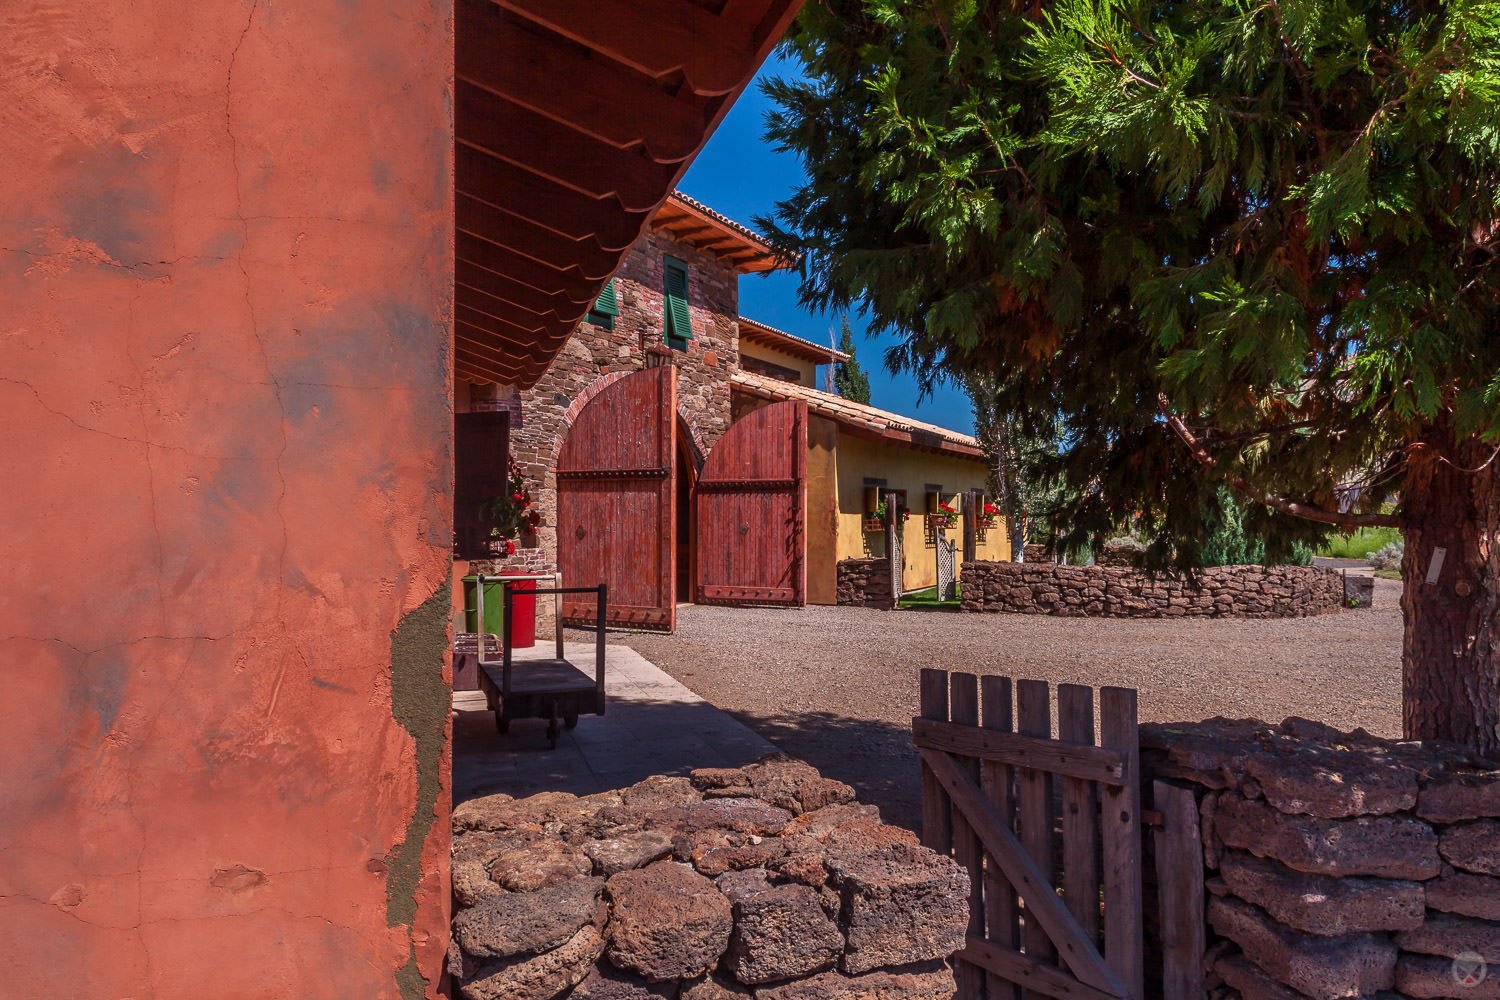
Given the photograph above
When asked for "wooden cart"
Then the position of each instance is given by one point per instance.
(553, 689)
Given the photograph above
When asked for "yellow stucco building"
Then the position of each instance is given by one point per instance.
(857, 453)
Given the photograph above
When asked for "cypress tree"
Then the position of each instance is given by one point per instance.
(849, 379)
(1233, 245)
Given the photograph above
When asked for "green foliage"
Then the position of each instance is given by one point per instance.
(511, 512)
(1227, 542)
(1021, 450)
(1277, 222)
(849, 379)
(1359, 544)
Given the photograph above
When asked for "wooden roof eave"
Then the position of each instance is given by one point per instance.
(573, 121)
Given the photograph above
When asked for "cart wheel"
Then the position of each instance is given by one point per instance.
(552, 731)
(569, 721)
(502, 724)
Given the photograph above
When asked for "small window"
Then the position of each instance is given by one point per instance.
(677, 324)
(605, 308)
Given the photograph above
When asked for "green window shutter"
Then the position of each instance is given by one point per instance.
(605, 308)
(675, 304)
(606, 304)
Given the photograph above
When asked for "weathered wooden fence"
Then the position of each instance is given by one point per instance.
(1048, 827)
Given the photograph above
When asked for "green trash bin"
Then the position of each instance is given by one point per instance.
(494, 605)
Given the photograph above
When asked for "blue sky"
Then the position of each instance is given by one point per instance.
(741, 175)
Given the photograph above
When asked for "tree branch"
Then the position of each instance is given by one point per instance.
(1307, 512)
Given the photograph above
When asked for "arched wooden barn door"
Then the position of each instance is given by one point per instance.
(615, 484)
(752, 499)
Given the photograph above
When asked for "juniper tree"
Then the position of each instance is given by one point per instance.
(848, 377)
(1232, 243)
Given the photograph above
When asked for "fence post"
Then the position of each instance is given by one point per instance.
(1120, 816)
(1179, 879)
(937, 814)
(964, 694)
(1080, 825)
(1034, 802)
(1001, 914)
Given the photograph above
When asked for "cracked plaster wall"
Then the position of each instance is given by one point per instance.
(226, 269)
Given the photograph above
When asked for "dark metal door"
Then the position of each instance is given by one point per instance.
(615, 482)
(752, 501)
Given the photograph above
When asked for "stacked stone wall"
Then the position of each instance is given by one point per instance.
(1340, 865)
(865, 583)
(1121, 592)
(767, 882)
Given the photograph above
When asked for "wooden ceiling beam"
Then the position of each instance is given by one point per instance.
(502, 260)
(468, 368)
(509, 331)
(561, 80)
(544, 201)
(655, 37)
(513, 325)
(502, 287)
(511, 132)
(494, 356)
(480, 219)
(494, 305)
(495, 350)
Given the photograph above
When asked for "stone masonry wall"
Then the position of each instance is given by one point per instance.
(542, 415)
(766, 882)
(1341, 865)
(1120, 592)
(865, 583)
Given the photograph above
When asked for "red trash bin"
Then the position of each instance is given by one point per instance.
(523, 610)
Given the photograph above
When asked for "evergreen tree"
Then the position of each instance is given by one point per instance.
(1243, 245)
(1019, 448)
(849, 379)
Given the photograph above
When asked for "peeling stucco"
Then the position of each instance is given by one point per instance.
(420, 703)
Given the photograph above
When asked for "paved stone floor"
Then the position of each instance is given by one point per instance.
(651, 725)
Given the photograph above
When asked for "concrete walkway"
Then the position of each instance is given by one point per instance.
(652, 725)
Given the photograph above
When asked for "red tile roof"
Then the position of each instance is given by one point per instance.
(865, 421)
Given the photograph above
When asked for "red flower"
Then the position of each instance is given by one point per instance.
(510, 547)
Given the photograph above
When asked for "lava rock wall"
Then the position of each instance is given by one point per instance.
(767, 881)
(1121, 592)
(866, 583)
(1341, 865)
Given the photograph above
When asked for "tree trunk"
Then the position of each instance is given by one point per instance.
(1450, 664)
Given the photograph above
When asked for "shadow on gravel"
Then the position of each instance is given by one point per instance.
(875, 757)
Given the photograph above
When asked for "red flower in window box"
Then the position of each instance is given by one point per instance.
(511, 512)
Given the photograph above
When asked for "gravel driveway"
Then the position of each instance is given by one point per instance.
(838, 686)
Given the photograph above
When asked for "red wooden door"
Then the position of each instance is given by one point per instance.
(752, 499)
(614, 503)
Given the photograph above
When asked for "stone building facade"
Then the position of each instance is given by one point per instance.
(597, 355)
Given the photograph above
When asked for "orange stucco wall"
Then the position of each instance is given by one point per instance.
(226, 277)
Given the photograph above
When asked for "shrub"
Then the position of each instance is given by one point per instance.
(1389, 556)
(1360, 544)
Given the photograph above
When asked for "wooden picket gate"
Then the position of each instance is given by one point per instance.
(1044, 885)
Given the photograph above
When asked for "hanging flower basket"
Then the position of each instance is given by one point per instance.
(944, 517)
(988, 517)
(875, 521)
